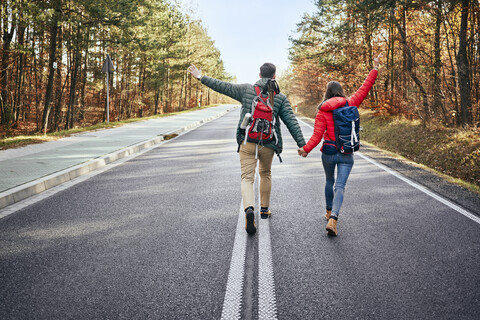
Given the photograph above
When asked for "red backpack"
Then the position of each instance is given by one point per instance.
(262, 125)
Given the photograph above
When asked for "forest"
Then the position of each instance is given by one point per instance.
(52, 53)
(431, 57)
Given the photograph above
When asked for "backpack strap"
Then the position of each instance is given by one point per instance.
(259, 94)
(278, 155)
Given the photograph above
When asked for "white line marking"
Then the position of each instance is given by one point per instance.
(267, 306)
(423, 189)
(232, 304)
(416, 185)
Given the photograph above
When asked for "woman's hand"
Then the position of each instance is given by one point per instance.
(195, 72)
(376, 61)
(302, 152)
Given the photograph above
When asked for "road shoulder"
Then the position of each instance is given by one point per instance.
(427, 178)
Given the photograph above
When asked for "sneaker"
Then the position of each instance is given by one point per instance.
(250, 222)
(327, 215)
(265, 214)
(331, 227)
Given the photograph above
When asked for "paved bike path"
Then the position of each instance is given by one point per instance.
(33, 169)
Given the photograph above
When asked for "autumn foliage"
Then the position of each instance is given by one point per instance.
(431, 63)
(52, 52)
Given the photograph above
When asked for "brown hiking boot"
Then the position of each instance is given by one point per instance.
(327, 216)
(265, 214)
(331, 227)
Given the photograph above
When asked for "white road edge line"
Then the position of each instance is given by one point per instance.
(232, 303)
(423, 189)
(267, 305)
(417, 186)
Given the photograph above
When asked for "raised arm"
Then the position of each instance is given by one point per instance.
(235, 91)
(362, 93)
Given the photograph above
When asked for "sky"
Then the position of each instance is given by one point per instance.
(250, 32)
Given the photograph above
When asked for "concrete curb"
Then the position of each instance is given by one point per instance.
(32, 188)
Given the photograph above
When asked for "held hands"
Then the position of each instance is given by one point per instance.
(376, 61)
(195, 72)
(302, 152)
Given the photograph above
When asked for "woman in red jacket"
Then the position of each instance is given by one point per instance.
(334, 98)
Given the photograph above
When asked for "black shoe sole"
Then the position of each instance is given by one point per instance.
(251, 229)
(331, 233)
(264, 215)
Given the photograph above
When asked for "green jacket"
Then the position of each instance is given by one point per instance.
(245, 93)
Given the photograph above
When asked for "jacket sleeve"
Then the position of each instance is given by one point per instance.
(333, 103)
(318, 132)
(241, 132)
(290, 120)
(233, 90)
(361, 93)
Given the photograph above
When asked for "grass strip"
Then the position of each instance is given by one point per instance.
(20, 141)
(452, 152)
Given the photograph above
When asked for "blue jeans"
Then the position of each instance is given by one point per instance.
(344, 163)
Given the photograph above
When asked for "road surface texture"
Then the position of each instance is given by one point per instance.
(161, 237)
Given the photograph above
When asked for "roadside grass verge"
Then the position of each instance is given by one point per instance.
(450, 151)
(20, 141)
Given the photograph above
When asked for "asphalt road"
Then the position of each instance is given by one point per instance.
(153, 238)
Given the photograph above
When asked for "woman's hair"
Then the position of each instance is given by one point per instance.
(334, 89)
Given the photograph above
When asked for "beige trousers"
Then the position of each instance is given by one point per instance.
(248, 163)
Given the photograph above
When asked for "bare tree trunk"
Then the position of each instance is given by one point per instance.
(52, 58)
(453, 75)
(20, 73)
(35, 72)
(157, 98)
(188, 84)
(437, 65)
(476, 55)
(180, 99)
(128, 101)
(425, 114)
(73, 87)
(464, 69)
(58, 93)
(84, 84)
(167, 100)
(404, 61)
(7, 40)
(368, 43)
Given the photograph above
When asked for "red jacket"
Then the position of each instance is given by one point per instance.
(324, 127)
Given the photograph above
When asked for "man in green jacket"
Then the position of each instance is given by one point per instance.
(250, 152)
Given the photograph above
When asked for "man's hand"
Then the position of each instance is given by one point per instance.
(195, 72)
(302, 152)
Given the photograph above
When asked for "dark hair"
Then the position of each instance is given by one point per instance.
(272, 88)
(334, 89)
(267, 70)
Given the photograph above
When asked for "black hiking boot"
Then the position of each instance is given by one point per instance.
(250, 221)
